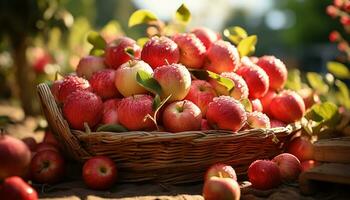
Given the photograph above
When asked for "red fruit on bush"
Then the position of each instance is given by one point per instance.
(50, 139)
(205, 35)
(192, 50)
(264, 174)
(71, 84)
(182, 116)
(276, 71)
(256, 79)
(221, 171)
(222, 56)
(258, 120)
(89, 65)
(102, 83)
(47, 167)
(308, 164)
(240, 91)
(332, 11)
(115, 52)
(82, 107)
(287, 106)
(132, 112)
(159, 51)
(256, 105)
(266, 101)
(276, 123)
(201, 93)
(289, 166)
(14, 157)
(30, 142)
(109, 112)
(221, 189)
(204, 125)
(302, 148)
(99, 173)
(226, 113)
(15, 188)
(334, 36)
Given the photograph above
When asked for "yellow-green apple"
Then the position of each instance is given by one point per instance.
(256, 105)
(264, 174)
(275, 69)
(201, 93)
(258, 119)
(175, 80)
(221, 189)
(266, 101)
(289, 166)
(71, 84)
(159, 51)
(207, 36)
(220, 170)
(99, 173)
(182, 116)
(226, 113)
(125, 77)
(15, 188)
(89, 65)
(240, 91)
(109, 112)
(302, 148)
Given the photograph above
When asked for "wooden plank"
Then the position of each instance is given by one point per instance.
(333, 150)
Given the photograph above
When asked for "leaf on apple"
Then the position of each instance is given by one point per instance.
(316, 82)
(235, 34)
(293, 80)
(111, 128)
(183, 14)
(247, 45)
(156, 106)
(247, 105)
(339, 70)
(228, 83)
(148, 82)
(141, 17)
(97, 52)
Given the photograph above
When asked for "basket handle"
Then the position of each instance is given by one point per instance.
(59, 125)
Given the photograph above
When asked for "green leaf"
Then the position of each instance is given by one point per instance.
(130, 52)
(339, 70)
(199, 73)
(96, 40)
(97, 52)
(142, 41)
(183, 14)
(247, 45)
(235, 34)
(316, 82)
(322, 112)
(228, 83)
(343, 94)
(247, 105)
(148, 82)
(141, 17)
(111, 128)
(293, 80)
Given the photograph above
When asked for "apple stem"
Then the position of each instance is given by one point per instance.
(166, 61)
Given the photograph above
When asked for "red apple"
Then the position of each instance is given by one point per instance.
(289, 166)
(125, 78)
(220, 171)
(207, 36)
(103, 83)
(49, 138)
(256, 105)
(204, 125)
(72, 84)
(201, 93)
(240, 91)
(309, 97)
(264, 174)
(226, 113)
(47, 167)
(175, 80)
(30, 142)
(302, 148)
(15, 188)
(109, 112)
(46, 146)
(115, 52)
(55, 88)
(308, 164)
(221, 189)
(258, 120)
(89, 65)
(14, 157)
(275, 69)
(99, 173)
(182, 116)
(132, 112)
(276, 123)
(266, 101)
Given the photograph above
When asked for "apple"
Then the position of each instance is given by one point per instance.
(264, 174)
(109, 112)
(55, 88)
(221, 189)
(89, 65)
(205, 35)
(275, 69)
(204, 125)
(47, 167)
(30, 142)
(308, 164)
(302, 148)
(258, 120)
(220, 170)
(240, 91)
(99, 173)
(15, 188)
(46, 146)
(103, 83)
(276, 123)
(289, 166)
(256, 105)
(175, 80)
(49, 138)
(14, 157)
(201, 93)
(182, 116)
(266, 101)
(125, 77)
(72, 84)
(309, 97)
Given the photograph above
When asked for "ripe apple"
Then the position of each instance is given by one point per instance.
(109, 112)
(258, 120)
(31, 143)
(308, 164)
(125, 78)
(89, 65)
(240, 91)
(309, 97)
(302, 148)
(204, 125)
(207, 36)
(201, 93)
(182, 116)
(289, 166)
(15, 188)
(46, 146)
(275, 69)
(72, 84)
(103, 83)
(221, 189)
(264, 174)
(47, 167)
(276, 123)
(50, 139)
(55, 88)
(99, 173)
(175, 80)
(221, 171)
(256, 105)
(266, 101)
(14, 157)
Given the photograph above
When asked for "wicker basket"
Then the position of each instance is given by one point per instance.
(166, 157)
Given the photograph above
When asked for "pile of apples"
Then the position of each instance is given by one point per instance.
(125, 85)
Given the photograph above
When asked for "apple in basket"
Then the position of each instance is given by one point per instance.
(89, 65)
(221, 189)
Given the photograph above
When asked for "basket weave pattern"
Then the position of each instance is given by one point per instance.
(162, 156)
